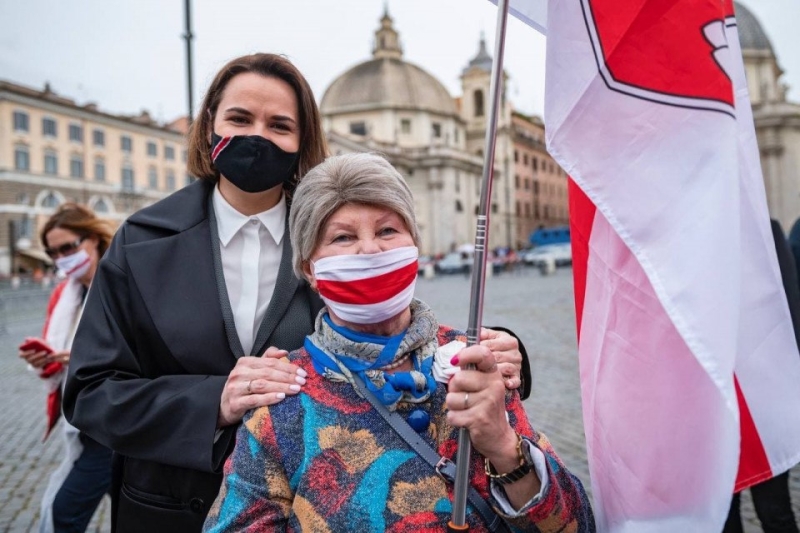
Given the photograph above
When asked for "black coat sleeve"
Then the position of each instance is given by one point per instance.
(525, 372)
(169, 418)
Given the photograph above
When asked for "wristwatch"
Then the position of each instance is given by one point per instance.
(525, 466)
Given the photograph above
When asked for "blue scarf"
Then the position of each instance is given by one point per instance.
(338, 352)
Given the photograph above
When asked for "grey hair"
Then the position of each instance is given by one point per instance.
(360, 178)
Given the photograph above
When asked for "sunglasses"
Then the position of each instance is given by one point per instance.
(65, 249)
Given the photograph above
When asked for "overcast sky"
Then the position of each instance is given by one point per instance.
(128, 55)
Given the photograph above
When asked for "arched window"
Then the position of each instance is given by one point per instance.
(101, 206)
(478, 101)
(50, 201)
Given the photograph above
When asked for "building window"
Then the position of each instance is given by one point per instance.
(525, 159)
(459, 207)
(536, 210)
(152, 178)
(527, 184)
(21, 121)
(494, 208)
(516, 156)
(49, 127)
(100, 206)
(455, 135)
(535, 187)
(358, 128)
(127, 179)
(50, 162)
(152, 149)
(527, 210)
(436, 129)
(22, 159)
(75, 133)
(99, 137)
(50, 201)
(458, 182)
(535, 164)
(169, 153)
(170, 180)
(76, 166)
(546, 211)
(477, 97)
(518, 213)
(405, 125)
(516, 181)
(99, 169)
(126, 143)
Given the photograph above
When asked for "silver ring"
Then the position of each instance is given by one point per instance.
(249, 384)
(466, 400)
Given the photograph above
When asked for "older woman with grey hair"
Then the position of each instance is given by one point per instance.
(339, 456)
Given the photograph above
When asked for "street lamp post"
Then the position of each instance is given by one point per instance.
(188, 36)
(12, 247)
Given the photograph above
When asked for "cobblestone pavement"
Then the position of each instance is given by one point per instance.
(540, 309)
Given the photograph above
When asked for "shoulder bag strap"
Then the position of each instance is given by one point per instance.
(443, 466)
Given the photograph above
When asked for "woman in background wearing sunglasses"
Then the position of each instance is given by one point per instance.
(75, 239)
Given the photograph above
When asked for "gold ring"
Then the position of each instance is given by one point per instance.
(249, 384)
(466, 400)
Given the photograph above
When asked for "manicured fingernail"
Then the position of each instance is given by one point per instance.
(302, 373)
(295, 388)
(300, 380)
(281, 395)
(454, 360)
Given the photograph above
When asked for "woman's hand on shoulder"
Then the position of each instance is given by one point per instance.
(505, 348)
(256, 382)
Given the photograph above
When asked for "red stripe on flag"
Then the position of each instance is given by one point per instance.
(754, 466)
(220, 147)
(581, 220)
(369, 290)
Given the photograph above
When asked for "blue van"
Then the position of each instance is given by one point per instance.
(554, 235)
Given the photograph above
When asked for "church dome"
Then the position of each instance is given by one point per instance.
(751, 34)
(386, 81)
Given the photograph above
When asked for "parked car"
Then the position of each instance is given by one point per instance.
(454, 263)
(423, 262)
(560, 254)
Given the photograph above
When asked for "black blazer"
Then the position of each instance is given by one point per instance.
(151, 357)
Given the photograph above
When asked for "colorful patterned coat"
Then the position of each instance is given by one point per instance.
(324, 460)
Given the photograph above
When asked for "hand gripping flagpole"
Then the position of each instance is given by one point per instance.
(458, 521)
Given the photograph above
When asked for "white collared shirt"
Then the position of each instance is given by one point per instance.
(251, 250)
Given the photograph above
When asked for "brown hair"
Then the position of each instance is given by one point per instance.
(82, 221)
(313, 148)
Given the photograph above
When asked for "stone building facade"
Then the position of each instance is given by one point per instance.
(392, 106)
(53, 150)
(777, 120)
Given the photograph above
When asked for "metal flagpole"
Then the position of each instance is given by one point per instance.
(458, 521)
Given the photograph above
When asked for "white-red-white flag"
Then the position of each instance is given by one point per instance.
(685, 340)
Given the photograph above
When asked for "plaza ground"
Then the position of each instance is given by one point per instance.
(540, 309)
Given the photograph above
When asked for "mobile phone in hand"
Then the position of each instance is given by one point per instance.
(38, 345)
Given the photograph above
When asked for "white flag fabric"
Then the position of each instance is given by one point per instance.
(531, 12)
(683, 322)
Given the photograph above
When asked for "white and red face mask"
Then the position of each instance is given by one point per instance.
(368, 288)
(74, 266)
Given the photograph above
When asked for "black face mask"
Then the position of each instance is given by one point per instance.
(252, 163)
